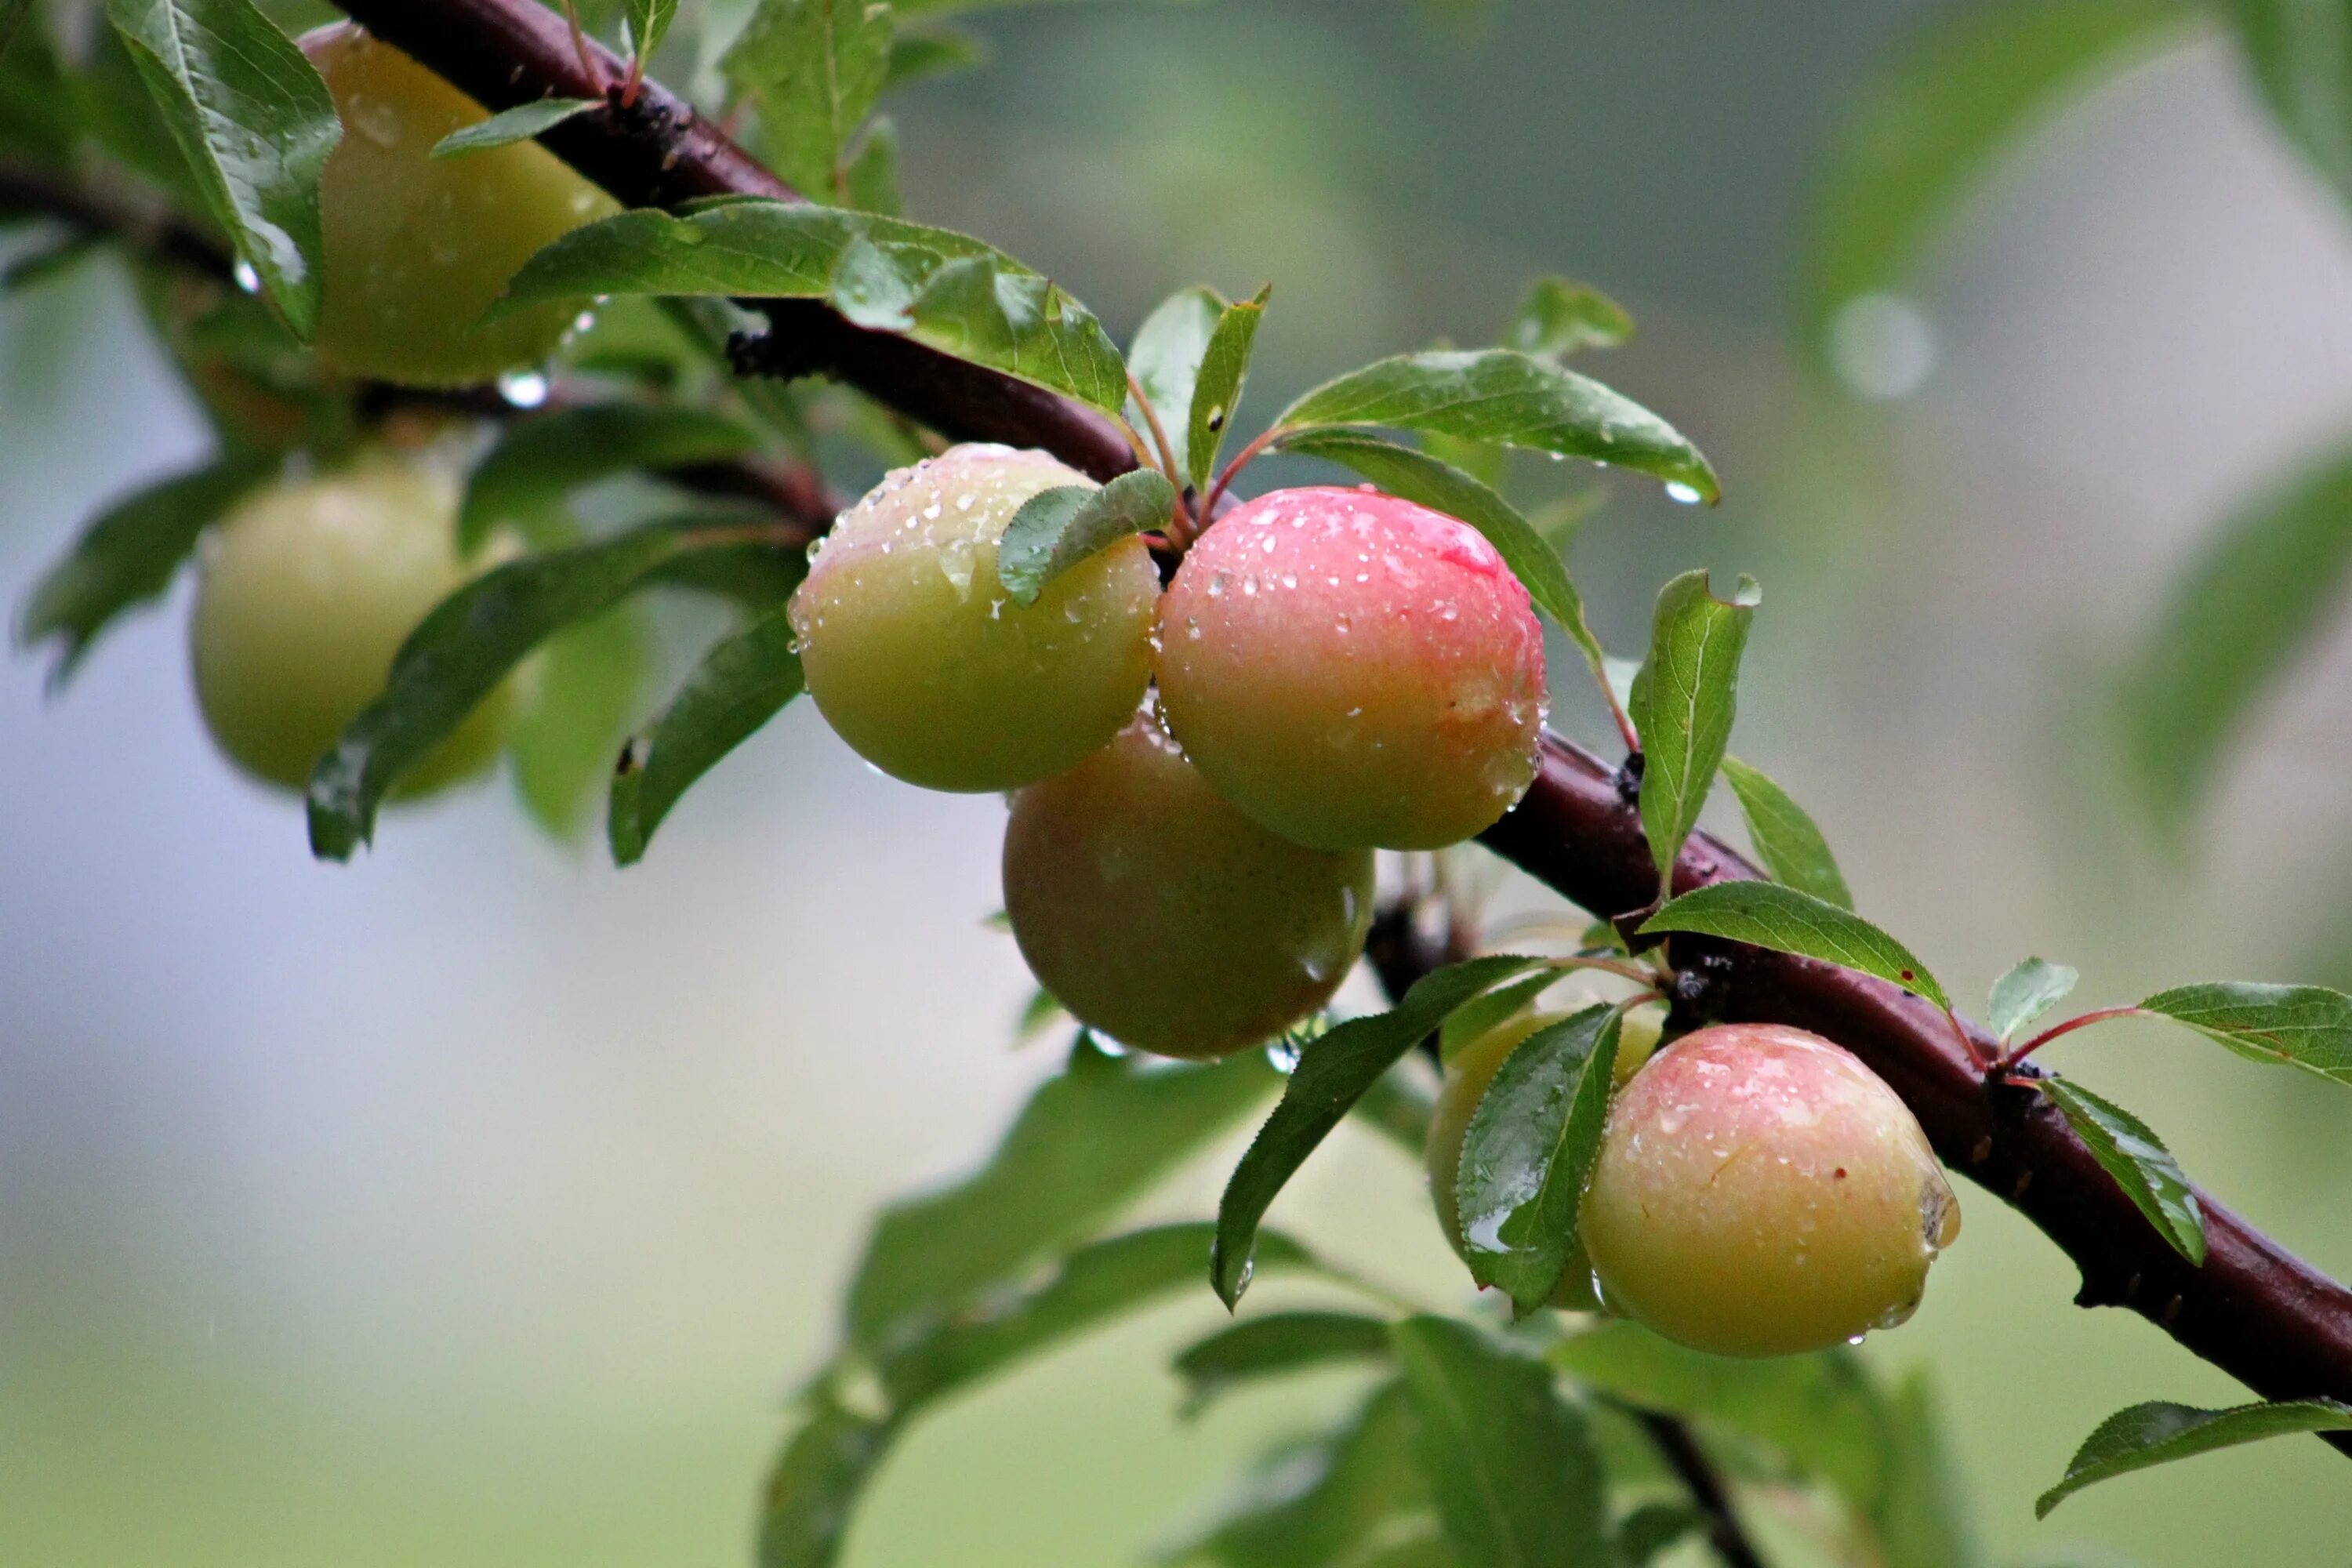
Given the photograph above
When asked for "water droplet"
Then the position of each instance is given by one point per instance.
(1283, 1055)
(1882, 346)
(523, 388)
(1678, 492)
(1216, 584)
(246, 277)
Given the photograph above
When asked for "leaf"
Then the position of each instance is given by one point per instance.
(1418, 476)
(588, 682)
(2157, 1433)
(1513, 1466)
(1217, 389)
(1560, 318)
(1165, 360)
(1966, 88)
(2137, 1158)
(871, 180)
(126, 556)
(2256, 598)
(940, 289)
(469, 643)
(1790, 845)
(2302, 59)
(541, 459)
(815, 1483)
(1277, 1343)
(1056, 529)
(2029, 990)
(1090, 1141)
(815, 67)
(1655, 1529)
(1683, 705)
(253, 120)
(742, 682)
(1529, 1151)
(1820, 1409)
(2306, 1026)
(649, 23)
(1332, 1074)
(934, 51)
(1766, 914)
(521, 124)
(1925, 1521)
(1502, 394)
(12, 22)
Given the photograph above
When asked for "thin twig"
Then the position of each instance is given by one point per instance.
(1681, 1448)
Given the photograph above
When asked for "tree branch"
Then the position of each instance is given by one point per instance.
(2252, 1309)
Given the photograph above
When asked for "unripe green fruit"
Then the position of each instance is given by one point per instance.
(305, 593)
(1159, 915)
(417, 247)
(1353, 670)
(922, 662)
(1759, 1192)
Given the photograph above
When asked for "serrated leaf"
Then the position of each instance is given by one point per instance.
(2157, 1433)
(253, 120)
(588, 682)
(1277, 1343)
(2306, 1026)
(1332, 1074)
(934, 51)
(1683, 705)
(521, 124)
(814, 67)
(649, 23)
(1790, 845)
(1517, 399)
(1926, 1520)
(2256, 598)
(1165, 360)
(1951, 103)
(1529, 1151)
(2301, 55)
(871, 180)
(1559, 318)
(2127, 1150)
(943, 289)
(126, 556)
(1419, 477)
(2029, 989)
(1517, 1481)
(1090, 1141)
(1057, 528)
(541, 458)
(1217, 387)
(1766, 914)
(815, 1483)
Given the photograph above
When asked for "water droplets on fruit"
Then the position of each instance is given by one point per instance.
(955, 559)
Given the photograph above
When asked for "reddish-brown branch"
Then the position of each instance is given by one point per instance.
(2252, 1309)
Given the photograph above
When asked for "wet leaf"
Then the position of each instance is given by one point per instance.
(2157, 1433)
(2137, 1158)
(1766, 914)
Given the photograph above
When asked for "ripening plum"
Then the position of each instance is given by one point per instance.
(1159, 915)
(417, 247)
(1759, 1192)
(919, 658)
(305, 592)
(1353, 670)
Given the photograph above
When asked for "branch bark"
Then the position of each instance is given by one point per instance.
(2253, 1309)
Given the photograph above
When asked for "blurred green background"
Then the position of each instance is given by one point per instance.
(475, 1205)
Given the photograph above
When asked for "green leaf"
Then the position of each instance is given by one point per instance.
(2029, 990)
(1766, 914)
(520, 123)
(541, 459)
(1277, 1343)
(1217, 387)
(1165, 360)
(934, 51)
(468, 643)
(871, 180)
(940, 289)
(1925, 1521)
(588, 682)
(1418, 476)
(815, 1483)
(1684, 702)
(1502, 394)
(2157, 1433)
(649, 23)
(1968, 86)
(39, 114)
(1528, 1152)
(1056, 529)
(1655, 1529)
(2306, 1026)
(742, 682)
(2137, 1158)
(1332, 1074)
(2301, 53)
(1790, 845)
(1819, 1410)
(814, 67)
(2255, 599)
(1560, 318)
(1517, 1481)
(1090, 1141)
(126, 556)
(255, 122)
